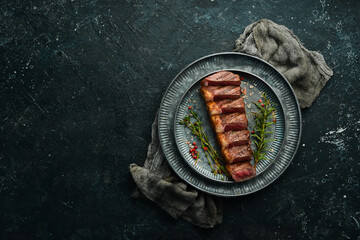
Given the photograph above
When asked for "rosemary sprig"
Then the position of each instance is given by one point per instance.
(260, 133)
(210, 153)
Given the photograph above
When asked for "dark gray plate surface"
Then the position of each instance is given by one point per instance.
(193, 98)
(288, 132)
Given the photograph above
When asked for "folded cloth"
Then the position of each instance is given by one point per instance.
(305, 70)
(160, 184)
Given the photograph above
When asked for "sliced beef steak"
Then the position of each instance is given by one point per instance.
(241, 171)
(214, 93)
(222, 78)
(233, 138)
(237, 153)
(229, 122)
(226, 106)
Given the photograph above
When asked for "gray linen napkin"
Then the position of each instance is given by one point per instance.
(306, 71)
(160, 184)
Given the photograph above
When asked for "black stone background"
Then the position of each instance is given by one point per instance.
(81, 81)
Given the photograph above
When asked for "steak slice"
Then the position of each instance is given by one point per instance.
(213, 93)
(226, 106)
(237, 154)
(233, 138)
(223, 78)
(241, 171)
(229, 122)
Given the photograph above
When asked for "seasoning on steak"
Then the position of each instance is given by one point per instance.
(233, 138)
(213, 93)
(241, 171)
(223, 78)
(229, 122)
(226, 106)
(237, 154)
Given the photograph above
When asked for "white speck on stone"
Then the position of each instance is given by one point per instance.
(339, 130)
(338, 136)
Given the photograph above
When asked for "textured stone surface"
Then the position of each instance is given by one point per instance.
(80, 83)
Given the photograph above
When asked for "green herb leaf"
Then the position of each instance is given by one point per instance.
(265, 112)
(211, 154)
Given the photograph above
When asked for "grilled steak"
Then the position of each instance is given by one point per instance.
(214, 93)
(233, 138)
(241, 171)
(237, 154)
(229, 122)
(226, 106)
(222, 78)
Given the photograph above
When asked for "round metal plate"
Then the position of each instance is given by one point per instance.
(193, 98)
(289, 133)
